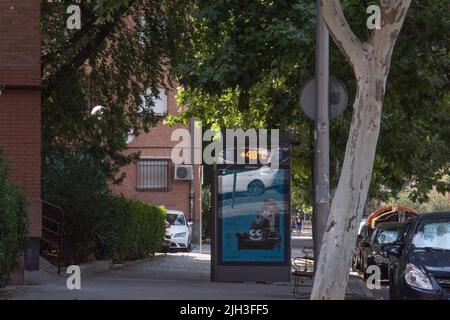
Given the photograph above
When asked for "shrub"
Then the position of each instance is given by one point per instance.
(96, 222)
(13, 223)
(206, 212)
(73, 182)
(139, 229)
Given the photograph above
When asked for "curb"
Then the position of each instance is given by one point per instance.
(5, 293)
(95, 267)
(157, 255)
(362, 292)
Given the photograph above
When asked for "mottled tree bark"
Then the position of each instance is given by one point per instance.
(371, 62)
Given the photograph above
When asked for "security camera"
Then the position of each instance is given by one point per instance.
(2, 88)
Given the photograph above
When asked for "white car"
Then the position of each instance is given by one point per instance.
(255, 182)
(180, 231)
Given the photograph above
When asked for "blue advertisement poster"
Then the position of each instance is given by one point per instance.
(253, 203)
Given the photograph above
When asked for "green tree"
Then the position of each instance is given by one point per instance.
(435, 201)
(236, 58)
(122, 49)
(247, 62)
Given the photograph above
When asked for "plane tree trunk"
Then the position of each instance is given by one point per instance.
(371, 63)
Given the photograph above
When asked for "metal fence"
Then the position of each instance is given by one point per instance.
(52, 233)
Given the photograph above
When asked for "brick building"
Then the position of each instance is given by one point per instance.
(153, 177)
(20, 101)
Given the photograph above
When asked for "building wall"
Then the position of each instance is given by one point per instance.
(20, 116)
(157, 144)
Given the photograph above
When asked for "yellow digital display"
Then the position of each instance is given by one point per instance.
(254, 154)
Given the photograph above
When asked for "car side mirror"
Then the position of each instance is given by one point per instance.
(393, 250)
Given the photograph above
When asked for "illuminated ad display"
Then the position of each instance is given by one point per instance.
(253, 210)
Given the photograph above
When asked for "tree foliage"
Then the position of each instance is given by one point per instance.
(122, 49)
(97, 223)
(13, 223)
(437, 201)
(247, 62)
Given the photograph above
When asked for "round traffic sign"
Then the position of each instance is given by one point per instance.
(338, 98)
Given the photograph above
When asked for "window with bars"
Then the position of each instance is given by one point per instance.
(153, 174)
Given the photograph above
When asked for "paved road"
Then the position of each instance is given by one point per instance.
(304, 240)
(379, 294)
(383, 292)
(167, 276)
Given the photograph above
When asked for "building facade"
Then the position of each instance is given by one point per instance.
(20, 103)
(154, 178)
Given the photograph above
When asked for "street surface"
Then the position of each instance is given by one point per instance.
(169, 276)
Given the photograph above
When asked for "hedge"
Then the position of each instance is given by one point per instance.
(139, 229)
(13, 223)
(206, 212)
(98, 224)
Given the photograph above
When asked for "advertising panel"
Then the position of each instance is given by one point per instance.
(253, 213)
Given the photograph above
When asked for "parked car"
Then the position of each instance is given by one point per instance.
(419, 261)
(253, 181)
(166, 245)
(388, 213)
(371, 250)
(180, 231)
(364, 236)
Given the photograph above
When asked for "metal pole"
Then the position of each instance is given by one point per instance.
(321, 134)
(201, 210)
(191, 182)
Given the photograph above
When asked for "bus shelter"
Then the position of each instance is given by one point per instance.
(251, 215)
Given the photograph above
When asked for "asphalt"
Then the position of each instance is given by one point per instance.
(171, 276)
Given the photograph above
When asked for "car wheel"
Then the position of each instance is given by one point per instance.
(358, 263)
(364, 270)
(256, 187)
(354, 262)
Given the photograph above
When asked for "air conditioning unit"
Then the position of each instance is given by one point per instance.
(184, 172)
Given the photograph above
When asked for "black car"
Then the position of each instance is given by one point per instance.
(419, 261)
(372, 249)
(361, 242)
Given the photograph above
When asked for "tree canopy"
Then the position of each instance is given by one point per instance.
(122, 49)
(246, 63)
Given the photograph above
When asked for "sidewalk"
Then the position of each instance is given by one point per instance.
(173, 276)
(356, 289)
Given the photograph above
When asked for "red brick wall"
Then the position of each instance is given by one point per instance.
(157, 143)
(20, 126)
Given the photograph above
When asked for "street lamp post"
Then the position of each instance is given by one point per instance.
(321, 134)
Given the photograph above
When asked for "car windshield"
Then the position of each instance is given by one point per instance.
(176, 219)
(433, 234)
(386, 236)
